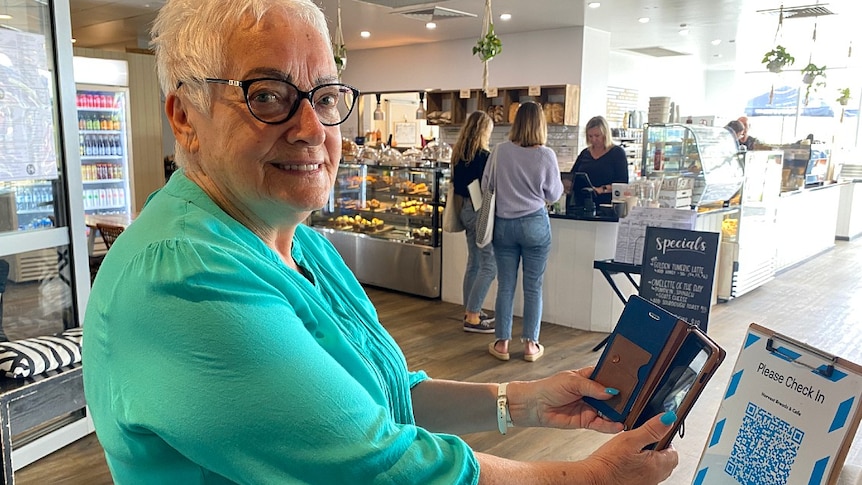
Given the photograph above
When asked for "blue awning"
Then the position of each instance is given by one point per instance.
(784, 102)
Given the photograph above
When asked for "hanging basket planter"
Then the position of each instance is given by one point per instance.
(814, 78)
(843, 96)
(488, 46)
(777, 59)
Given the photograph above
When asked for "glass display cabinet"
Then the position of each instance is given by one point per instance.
(704, 160)
(386, 221)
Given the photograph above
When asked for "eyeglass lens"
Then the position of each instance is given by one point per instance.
(273, 101)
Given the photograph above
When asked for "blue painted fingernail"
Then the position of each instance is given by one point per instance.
(668, 418)
(611, 391)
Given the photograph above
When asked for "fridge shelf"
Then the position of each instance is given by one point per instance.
(46, 210)
(100, 132)
(103, 181)
(109, 110)
(104, 208)
(101, 157)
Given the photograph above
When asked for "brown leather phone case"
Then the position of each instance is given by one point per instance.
(675, 339)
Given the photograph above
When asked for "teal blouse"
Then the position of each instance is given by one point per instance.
(208, 361)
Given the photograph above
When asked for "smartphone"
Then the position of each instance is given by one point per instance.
(657, 362)
(694, 364)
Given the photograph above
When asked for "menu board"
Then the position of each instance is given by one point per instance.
(27, 135)
(632, 229)
(678, 270)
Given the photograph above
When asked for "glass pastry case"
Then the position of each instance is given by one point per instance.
(386, 222)
(703, 159)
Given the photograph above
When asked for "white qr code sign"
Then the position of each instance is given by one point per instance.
(787, 417)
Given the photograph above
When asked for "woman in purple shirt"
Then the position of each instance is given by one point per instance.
(526, 179)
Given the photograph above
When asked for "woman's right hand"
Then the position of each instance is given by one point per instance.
(623, 459)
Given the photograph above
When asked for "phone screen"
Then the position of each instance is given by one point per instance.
(678, 380)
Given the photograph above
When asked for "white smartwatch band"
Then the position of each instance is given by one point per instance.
(504, 421)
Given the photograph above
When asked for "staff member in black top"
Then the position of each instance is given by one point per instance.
(604, 162)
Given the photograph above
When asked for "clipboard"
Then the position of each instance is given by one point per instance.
(789, 413)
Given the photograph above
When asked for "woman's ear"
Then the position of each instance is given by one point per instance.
(178, 117)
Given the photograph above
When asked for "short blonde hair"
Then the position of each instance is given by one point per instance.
(602, 124)
(529, 127)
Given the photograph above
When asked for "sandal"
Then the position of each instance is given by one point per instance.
(493, 351)
(537, 355)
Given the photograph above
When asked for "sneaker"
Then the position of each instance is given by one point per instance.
(485, 316)
(484, 326)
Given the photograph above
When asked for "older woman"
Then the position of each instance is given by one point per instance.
(604, 162)
(226, 342)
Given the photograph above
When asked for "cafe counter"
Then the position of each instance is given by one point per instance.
(574, 294)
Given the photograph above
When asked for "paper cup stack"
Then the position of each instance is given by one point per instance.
(659, 109)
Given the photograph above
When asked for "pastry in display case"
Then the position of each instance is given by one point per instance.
(706, 157)
(386, 221)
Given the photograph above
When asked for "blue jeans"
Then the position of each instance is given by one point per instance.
(481, 267)
(526, 239)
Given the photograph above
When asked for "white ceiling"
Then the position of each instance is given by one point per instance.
(744, 32)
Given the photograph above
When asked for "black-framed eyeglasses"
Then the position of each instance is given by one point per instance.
(274, 101)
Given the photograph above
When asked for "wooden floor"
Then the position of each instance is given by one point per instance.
(818, 302)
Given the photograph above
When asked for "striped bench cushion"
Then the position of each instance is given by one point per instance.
(32, 356)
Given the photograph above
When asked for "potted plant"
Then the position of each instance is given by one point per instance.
(777, 59)
(489, 45)
(339, 52)
(843, 96)
(813, 76)
(811, 72)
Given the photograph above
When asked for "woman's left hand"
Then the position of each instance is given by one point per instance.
(556, 402)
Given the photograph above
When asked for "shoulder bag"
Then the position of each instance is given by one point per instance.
(485, 221)
(452, 210)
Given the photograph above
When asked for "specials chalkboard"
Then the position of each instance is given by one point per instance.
(678, 270)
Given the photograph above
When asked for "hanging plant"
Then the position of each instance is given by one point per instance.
(488, 46)
(811, 72)
(777, 59)
(813, 76)
(339, 51)
(843, 96)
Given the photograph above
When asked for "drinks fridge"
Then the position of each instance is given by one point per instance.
(103, 141)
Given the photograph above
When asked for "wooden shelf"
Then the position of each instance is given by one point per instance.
(561, 103)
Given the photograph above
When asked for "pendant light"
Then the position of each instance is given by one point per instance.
(378, 113)
(420, 111)
(5, 15)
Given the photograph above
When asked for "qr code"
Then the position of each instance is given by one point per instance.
(764, 450)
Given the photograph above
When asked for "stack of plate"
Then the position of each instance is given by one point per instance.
(659, 109)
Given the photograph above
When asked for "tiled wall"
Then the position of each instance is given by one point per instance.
(620, 101)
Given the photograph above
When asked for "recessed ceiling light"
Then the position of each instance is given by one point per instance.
(430, 26)
(365, 34)
(643, 20)
(505, 16)
(716, 42)
(683, 29)
(594, 5)
(74, 40)
(717, 56)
